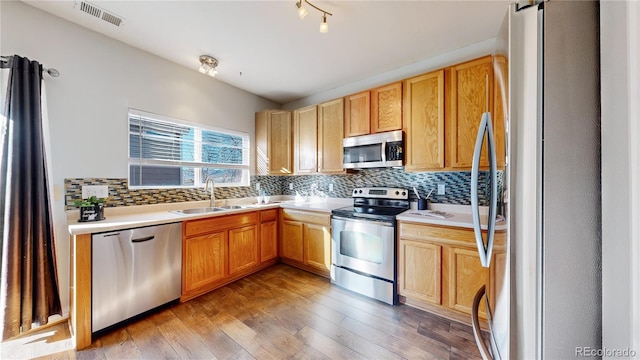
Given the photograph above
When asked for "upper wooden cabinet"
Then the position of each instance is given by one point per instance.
(469, 95)
(386, 108)
(330, 134)
(442, 112)
(305, 140)
(423, 118)
(273, 142)
(357, 114)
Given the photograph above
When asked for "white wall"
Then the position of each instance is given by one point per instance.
(421, 67)
(620, 51)
(100, 78)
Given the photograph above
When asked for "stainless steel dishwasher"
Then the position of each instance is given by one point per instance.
(133, 271)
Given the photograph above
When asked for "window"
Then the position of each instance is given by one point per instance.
(165, 152)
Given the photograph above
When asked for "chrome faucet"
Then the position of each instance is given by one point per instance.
(206, 188)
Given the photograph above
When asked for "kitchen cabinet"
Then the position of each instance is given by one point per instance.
(305, 140)
(221, 249)
(439, 269)
(273, 142)
(306, 240)
(442, 111)
(386, 108)
(357, 114)
(244, 252)
(330, 134)
(469, 95)
(420, 272)
(424, 122)
(204, 260)
(268, 234)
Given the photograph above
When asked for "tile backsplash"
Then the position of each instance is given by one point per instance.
(457, 187)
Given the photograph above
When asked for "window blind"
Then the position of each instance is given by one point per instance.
(164, 153)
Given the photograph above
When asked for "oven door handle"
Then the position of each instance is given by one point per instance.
(370, 222)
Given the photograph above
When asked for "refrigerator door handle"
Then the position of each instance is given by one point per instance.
(484, 251)
(475, 321)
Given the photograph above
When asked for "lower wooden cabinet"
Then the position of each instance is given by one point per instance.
(268, 234)
(439, 268)
(420, 272)
(205, 257)
(243, 249)
(222, 249)
(305, 240)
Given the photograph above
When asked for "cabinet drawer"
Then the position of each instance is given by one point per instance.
(307, 216)
(208, 225)
(268, 215)
(446, 235)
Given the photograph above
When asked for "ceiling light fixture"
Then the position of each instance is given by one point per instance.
(302, 12)
(208, 65)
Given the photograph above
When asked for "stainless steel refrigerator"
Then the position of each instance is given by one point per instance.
(550, 303)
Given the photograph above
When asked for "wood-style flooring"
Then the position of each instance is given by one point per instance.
(280, 312)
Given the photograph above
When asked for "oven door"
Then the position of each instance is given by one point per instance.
(364, 246)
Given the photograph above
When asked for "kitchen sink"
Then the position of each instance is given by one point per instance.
(232, 207)
(202, 210)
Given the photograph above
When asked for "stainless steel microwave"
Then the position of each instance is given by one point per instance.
(374, 151)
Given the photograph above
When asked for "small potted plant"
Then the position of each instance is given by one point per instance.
(91, 208)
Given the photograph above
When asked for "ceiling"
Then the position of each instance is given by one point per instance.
(263, 47)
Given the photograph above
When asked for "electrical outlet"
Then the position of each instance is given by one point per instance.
(99, 191)
(290, 186)
(330, 187)
(441, 189)
(258, 186)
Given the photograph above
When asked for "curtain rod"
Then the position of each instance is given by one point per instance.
(52, 72)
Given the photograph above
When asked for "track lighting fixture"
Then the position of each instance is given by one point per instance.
(302, 12)
(208, 65)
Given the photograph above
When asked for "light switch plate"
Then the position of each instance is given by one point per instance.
(441, 189)
(99, 191)
(290, 186)
(258, 186)
(330, 187)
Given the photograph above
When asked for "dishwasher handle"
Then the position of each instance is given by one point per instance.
(143, 239)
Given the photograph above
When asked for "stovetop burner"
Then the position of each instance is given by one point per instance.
(376, 203)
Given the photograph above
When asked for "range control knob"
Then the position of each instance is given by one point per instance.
(404, 193)
(360, 191)
(397, 192)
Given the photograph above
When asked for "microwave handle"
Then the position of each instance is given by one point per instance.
(383, 151)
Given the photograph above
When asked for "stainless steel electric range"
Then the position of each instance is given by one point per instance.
(364, 242)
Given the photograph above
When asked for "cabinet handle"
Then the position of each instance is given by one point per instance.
(484, 351)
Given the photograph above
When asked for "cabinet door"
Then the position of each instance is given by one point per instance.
(424, 122)
(291, 241)
(330, 128)
(268, 240)
(470, 94)
(279, 142)
(204, 260)
(243, 249)
(466, 276)
(419, 271)
(317, 246)
(386, 108)
(305, 140)
(357, 114)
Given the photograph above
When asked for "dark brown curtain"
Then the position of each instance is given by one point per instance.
(29, 287)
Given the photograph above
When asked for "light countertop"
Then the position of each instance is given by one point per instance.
(456, 216)
(126, 217)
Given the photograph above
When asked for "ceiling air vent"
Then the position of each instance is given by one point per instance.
(98, 12)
